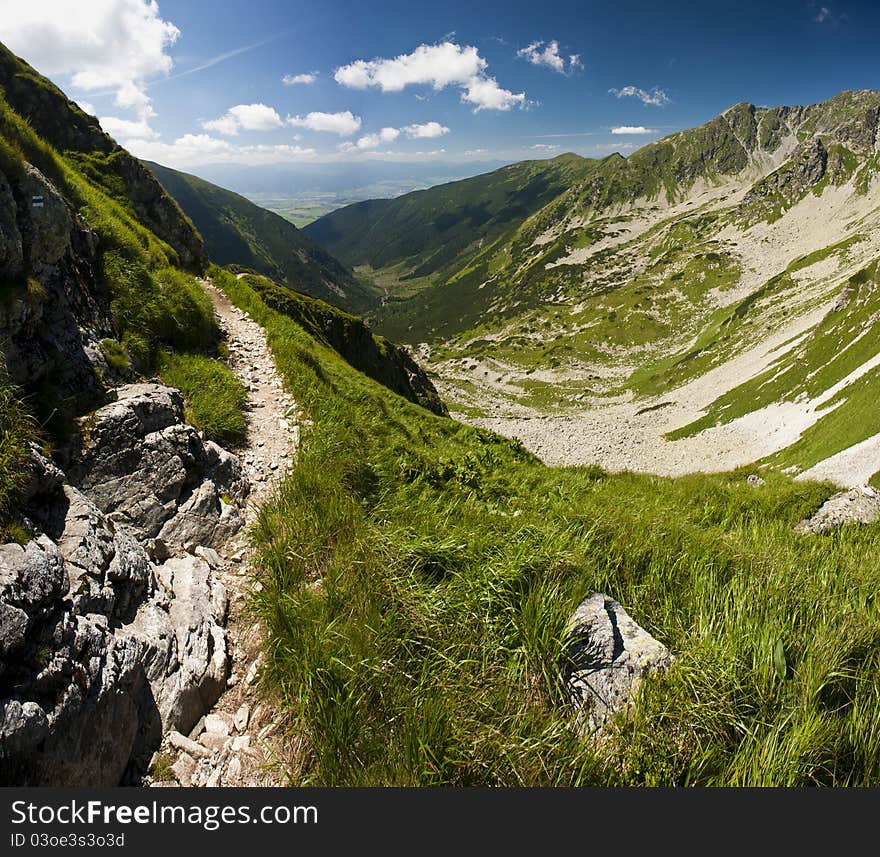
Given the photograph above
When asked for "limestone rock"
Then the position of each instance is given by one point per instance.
(186, 653)
(144, 466)
(858, 505)
(608, 657)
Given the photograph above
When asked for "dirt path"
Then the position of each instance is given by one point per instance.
(239, 742)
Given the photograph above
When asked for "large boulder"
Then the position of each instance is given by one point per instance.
(142, 465)
(609, 656)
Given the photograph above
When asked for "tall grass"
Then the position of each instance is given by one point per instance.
(216, 398)
(16, 433)
(418, 574)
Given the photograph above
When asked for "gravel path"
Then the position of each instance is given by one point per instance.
(239, 743)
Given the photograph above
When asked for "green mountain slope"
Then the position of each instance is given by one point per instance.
(415, 238)
(238, 232)
(654, 279)
(61, 124)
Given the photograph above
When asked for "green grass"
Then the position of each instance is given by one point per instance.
(215, 397)
(418, 574)
(16, 433)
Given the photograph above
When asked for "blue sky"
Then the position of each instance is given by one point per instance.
(192, 82)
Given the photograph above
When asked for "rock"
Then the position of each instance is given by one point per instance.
(241, 743)
(187, 745)
(143, 465)
(184, 768)
(187, 657)
(209, 555)
(232, 777)
(110, 572)
(216, 725)
(858, 505)
(214, 741)
(609, 656)
(755, 481)
(242, 716)
(251, 675)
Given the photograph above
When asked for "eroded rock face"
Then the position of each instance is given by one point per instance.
(143, 466)
(609, 655)
(105, 646)
(52, 317)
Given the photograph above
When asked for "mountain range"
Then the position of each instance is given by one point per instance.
(244, 541)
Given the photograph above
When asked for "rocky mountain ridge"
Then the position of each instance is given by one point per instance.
(644, 289)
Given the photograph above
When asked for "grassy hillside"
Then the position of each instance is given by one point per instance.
(418, 575)
(62, 125)
(238, 232)
(421, 234)
(155, 308)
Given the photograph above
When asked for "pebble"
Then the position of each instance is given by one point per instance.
(216, 724)
(242, 716)
(187, 745)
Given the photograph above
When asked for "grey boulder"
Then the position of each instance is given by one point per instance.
(609, 656)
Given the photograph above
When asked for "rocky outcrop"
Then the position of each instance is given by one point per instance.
(857, 506)
(66, 127)
(608, 657)
(145, 467)
(104, 644)
(52, 317)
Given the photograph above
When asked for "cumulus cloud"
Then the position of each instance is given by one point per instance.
(125, 128)
(200, 149)
(245, 117)
(389, 135)
(306, 79)
(437, 66)
(428, 129)
(632, 129)
(373, 141)
(655, 97)
(102, 44)
(344, 124)
(547, 54)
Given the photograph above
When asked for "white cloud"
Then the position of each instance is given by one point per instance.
(200, 149)
(389, 135)
(547, 54)
(428, 129)
(545, 147)
(124, 128)
(486, 94)
(373, 141)
(245, 117)
(655, 97)
(306, 79)
(632, 129)
(115, 44)
(470, 152)
(344, 124)
(438, 66)
(87, 107)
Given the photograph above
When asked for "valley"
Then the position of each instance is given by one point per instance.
(627, 312)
